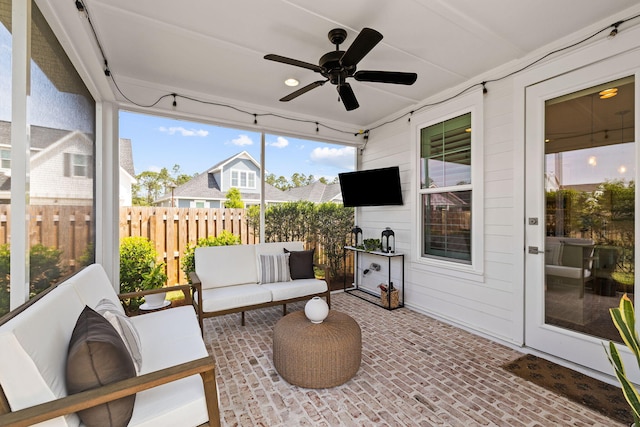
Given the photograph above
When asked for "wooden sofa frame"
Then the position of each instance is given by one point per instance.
(196, 285)
(73, 403)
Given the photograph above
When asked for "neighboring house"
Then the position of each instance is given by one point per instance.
(61, 167)
(127, 172)
(209, 189)
(317, 192)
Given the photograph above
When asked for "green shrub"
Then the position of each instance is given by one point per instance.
(226, 238)
(139, 268)
(44, 270)
(328, 224)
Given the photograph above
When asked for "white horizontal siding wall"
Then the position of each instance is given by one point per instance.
(483, 303)
(493, 302)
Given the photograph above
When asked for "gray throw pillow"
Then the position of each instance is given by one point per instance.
(125, 328)
(97, 356)
(301, 264)
(274, 268)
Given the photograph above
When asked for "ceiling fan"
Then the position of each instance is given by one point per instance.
(336, 66)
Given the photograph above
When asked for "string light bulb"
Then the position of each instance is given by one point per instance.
(614, 31)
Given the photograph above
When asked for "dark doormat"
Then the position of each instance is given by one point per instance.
(580, 388)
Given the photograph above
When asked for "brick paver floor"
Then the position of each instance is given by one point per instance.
(416, 371)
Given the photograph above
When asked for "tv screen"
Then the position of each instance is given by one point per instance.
(373, 187)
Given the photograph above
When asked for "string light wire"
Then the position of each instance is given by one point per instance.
(82, 8)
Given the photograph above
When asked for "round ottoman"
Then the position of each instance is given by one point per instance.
(319, 355)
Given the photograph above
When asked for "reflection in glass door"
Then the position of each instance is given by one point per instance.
(589, 214)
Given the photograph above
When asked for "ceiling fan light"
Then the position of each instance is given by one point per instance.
(291, 82)
(608, 93)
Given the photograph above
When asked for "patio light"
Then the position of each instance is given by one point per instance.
(388, 241)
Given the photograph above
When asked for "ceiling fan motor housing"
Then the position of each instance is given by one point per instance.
(334, 70)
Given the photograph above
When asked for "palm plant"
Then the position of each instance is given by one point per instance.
(625, 321)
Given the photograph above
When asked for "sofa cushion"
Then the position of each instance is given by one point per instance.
(218, 299)
(553, 251)
(92, 285)
(97, 356)
(274, 268)
(219, 266)
(170, 337)
(274, 248)
(124, 327)
(34, 350)
(301, 264)
(295, 288)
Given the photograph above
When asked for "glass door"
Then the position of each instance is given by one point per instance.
(580, 207)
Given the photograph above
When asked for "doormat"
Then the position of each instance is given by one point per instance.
(594, 394)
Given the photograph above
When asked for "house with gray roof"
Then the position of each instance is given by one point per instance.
(209, 188)
(317, 192)
(61, 167)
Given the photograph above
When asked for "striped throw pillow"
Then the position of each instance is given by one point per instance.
(274, 268)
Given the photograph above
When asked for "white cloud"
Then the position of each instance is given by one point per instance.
(154, 168)
(280, 142)
(184, 132)
(342, 158)
(242, 140)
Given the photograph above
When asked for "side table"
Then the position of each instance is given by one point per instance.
(319, 355)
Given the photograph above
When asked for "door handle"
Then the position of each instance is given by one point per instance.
(534, 250)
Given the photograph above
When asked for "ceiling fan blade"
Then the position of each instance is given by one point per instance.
(295, 62)
(302, 90)
(394, 77)
(347, 96)
(366, 40)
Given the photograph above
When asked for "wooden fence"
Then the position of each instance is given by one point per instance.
(69, 229)
(172, 229)
(66, 228)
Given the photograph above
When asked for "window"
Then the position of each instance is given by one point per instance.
(80, 165)
(77, 165)
(5, 159)
(243, 179)
(446, 189)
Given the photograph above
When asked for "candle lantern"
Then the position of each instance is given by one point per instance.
(356, 236)
(388, 241)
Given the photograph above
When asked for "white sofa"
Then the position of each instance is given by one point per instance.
(230, 279)
(34, 344)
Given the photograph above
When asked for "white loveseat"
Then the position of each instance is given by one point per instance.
(174, 385)
(231, 279)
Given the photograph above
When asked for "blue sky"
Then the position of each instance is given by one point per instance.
(162, 142)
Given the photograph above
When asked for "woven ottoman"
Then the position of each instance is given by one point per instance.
(319, 355)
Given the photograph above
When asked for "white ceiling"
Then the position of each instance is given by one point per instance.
(216, 48)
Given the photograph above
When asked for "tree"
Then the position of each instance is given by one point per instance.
(234, 199)
(151, 185)
(280, 182)
(296, 180)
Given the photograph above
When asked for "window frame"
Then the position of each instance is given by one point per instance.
(239, 176)
(84, 165)
(470, 103)
(5, 158)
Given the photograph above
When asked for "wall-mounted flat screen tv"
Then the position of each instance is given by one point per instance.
(373, 187)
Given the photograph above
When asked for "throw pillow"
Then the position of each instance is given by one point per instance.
(274, 268)
(125, 328)
(97, 356)
(301, 264)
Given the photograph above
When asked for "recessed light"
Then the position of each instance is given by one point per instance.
(291, 82)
